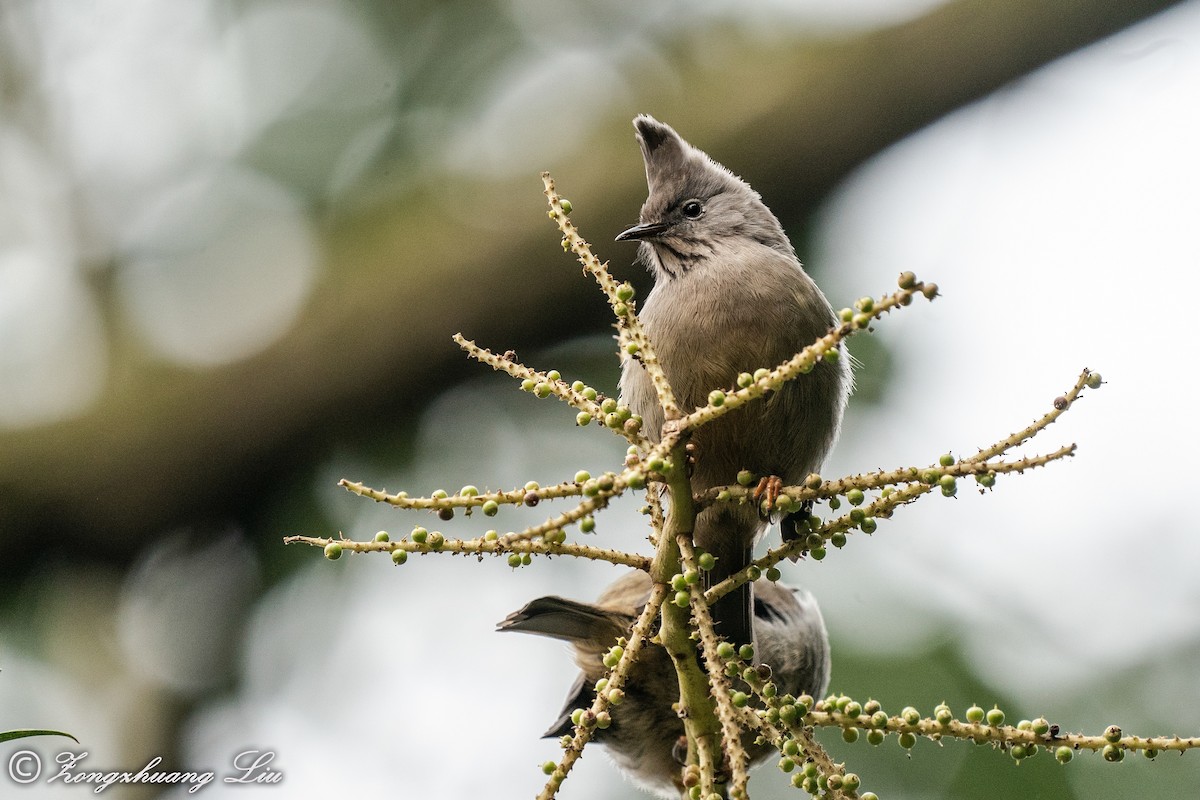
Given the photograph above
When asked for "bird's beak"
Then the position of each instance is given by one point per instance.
(646, 231)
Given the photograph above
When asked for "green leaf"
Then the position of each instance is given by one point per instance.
(7, 736)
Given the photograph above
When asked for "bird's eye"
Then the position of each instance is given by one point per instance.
(692, 209)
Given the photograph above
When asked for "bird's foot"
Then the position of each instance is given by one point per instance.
(767, 490)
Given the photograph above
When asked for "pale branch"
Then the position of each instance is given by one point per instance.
(552, 527)
(593, 717)
(514, 497)
(722, 689)
(543, 384)
(631, 336)
(1026, 733)
(882, 479)
(1087, 379)
(880, 508)
(722, 402)
(480, 547)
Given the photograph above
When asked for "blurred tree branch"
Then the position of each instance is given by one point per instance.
(165, 444)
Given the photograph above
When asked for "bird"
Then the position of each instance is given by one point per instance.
(643, 737)
(729, 296)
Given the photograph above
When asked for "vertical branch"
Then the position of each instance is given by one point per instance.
(700, 721)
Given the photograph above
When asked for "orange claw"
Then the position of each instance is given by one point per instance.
(769, 488)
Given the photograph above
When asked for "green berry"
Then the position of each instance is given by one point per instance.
(382, 536)
(587, 524)
(613, 656)
(549, 767)
(850, 735)
(773, 574)
(725, 651)
(582, 476)
(855, 497)
(987, 480)
(852, 708)
(625, 292)
(838, 539)
(1040, 726)
(616, 697)
(682, 599)
(1018, 752)
(1112, 754)
(1150, 752)
(578, 386)
(716, 398)
(879, 719)
(526, 559)
(907, 280)
(514, 560)
(399, 557)
(875, 737)
(995, 718)
(851, 781)
(566, 207)
(745, 379)
(527, 385)
(333, 551)
(1112, 734)
(817, 554)
(603, 720)
(910, 715)
(975, 714)
(949, 485)
(746, 652)
(1063, 754)
(739, 699)
(706, 561)
(787, 764)
(832, 355)
(436, 540)
(589, 393)
(1094, 380)
(419, 535)
(490, 508)
(745, 477)
(907, 740)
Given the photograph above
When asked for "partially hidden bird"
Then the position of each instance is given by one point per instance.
(729, 296)
(644, 737)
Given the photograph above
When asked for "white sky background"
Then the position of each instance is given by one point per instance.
(1060, 218)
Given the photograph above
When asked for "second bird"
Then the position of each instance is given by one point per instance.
(729, 296)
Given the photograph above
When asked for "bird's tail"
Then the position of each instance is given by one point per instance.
(723, 537)
(571, 621)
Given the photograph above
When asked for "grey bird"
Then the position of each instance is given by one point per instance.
(729, 296)
(645, 733)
